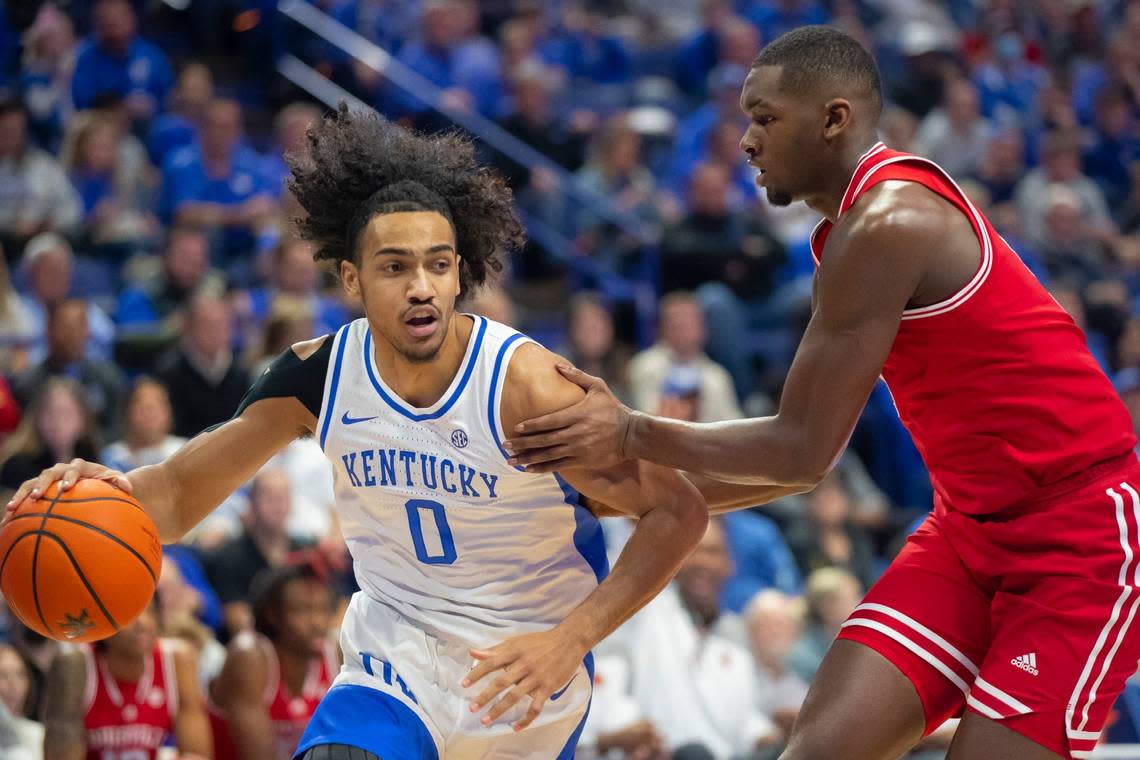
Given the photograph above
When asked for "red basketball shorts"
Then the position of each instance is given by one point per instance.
(1027, 616)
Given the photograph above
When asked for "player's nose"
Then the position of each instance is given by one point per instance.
(420, 287)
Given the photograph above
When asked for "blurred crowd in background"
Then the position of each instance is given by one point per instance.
(148, 273)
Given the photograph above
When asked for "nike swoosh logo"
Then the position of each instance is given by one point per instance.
(562, 691)
(353, 420)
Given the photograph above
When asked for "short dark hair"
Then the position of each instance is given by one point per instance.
(267, 591)
(815, 55)
(358, 165)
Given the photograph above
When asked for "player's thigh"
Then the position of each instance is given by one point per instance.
(337, 752)
(1066, 633)
(929, 619)
(904, 659)
(859, 705)
(980, 738)
(1060, 656)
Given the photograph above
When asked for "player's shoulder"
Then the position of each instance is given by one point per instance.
(306, 349)
(533, 385)
(895, 211)
(245, 655)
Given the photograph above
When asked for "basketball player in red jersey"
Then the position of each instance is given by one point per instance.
(1016, 601)
(274, 678)
(121, 698)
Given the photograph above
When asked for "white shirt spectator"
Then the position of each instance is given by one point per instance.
(649, 370)
(311, 479)
(696, 687)
(34, 188)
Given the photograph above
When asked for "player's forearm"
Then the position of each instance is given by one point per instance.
(664, 536)
(65, 740)
(726, 497)
(192, 731)
(761, 451)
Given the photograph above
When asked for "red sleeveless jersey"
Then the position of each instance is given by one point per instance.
(995, 383)
(130, 721)
(288, 713)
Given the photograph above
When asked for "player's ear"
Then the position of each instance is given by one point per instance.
(837, 116)
(350, 276)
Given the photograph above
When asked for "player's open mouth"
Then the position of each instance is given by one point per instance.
(421, 326)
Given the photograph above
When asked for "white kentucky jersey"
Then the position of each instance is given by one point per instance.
(440, 527)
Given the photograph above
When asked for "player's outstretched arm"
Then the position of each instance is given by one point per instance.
(872, 268)
(180, 492)
(65, 737)
(672, 519)
(191, 724)
(240, 691)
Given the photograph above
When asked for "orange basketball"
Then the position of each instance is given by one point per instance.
(78, 566)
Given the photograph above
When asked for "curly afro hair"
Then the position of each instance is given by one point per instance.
(358, 165)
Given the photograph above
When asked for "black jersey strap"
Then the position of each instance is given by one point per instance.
(290, 375)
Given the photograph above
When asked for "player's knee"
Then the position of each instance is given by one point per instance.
(337, 752)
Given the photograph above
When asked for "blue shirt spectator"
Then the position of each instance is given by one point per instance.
(218, 183)
(179, 125)
(761, 557)
(1115, 147)
(1008, 86)
(117, 60)
(585, 55)
(775, 18)
(453, 58)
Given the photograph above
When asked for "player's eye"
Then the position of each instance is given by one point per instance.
(393, 267)
(441, 265)
(764, 120)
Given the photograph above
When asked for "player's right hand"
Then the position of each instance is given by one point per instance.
(67, 474)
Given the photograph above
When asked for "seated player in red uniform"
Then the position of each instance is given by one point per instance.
(1015, 603)
(274, 678)
(124, 697)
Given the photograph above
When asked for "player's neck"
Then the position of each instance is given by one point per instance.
(829, 198)
(421, 384)
(294, 668)
(125, 667)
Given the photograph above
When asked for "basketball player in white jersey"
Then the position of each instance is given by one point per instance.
(460, 556)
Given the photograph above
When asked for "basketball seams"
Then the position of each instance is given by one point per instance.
(36, 564)
(83, 577)
(95, 528)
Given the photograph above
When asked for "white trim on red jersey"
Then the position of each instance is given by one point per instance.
(169, 676)
(984, 267)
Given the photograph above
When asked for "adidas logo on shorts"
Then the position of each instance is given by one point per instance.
(1027, 662)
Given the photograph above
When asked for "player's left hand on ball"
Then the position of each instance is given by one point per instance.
(535, 665)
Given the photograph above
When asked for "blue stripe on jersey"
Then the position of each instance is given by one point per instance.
(359, 716)
(399, 407)
(491, 416)
(588, 537)
(330, 402)
(567, 752)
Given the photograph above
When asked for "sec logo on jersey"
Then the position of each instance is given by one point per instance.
(458, 439)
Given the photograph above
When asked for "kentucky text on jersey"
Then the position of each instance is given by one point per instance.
(380, 468)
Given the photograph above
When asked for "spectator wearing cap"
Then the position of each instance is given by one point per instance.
(48, 265)
(677, 367)
(117, 60)
(35, 193)
(218, 183)
(1060, 164)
